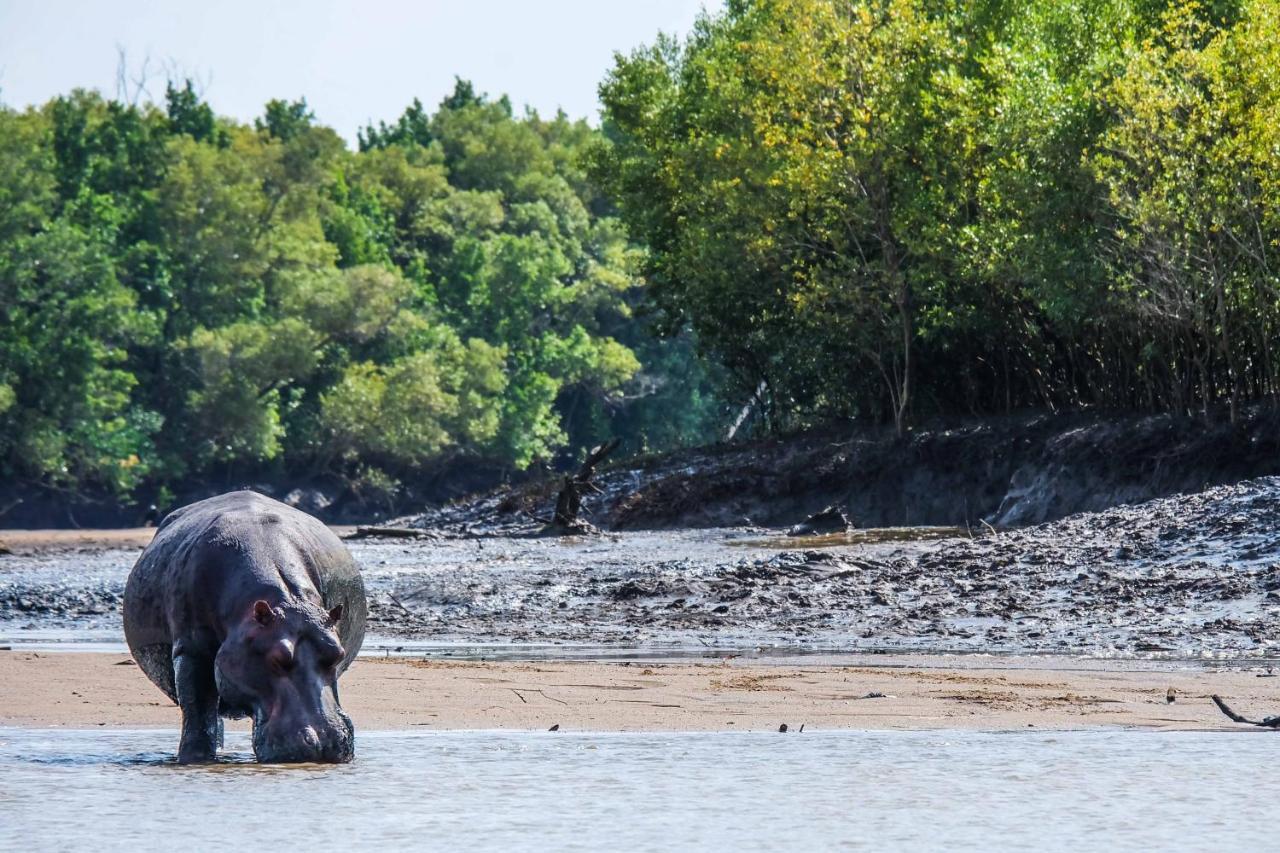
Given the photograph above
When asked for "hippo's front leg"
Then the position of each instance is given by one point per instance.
(198, 699)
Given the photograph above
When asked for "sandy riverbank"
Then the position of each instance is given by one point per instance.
(32, 542)
(87, 690)
(42, 542)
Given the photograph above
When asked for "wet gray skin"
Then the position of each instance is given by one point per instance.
(242, 606)
(280, 668)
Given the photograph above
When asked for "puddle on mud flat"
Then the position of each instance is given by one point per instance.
(867, 536)
(1140, 791)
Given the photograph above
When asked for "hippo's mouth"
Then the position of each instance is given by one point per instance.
(324, 741)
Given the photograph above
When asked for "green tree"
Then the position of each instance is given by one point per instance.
(191, 116)
(66, 417)
(185, 295)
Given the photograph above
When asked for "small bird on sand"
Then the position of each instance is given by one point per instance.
(1171, 696)
(554, 728)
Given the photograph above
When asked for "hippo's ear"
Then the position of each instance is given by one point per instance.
(335, 614)
(262, 613)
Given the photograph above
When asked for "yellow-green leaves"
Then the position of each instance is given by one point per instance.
(242, 367)
(874, 208)
(417, 407)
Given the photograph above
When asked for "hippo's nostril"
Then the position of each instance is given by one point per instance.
(310, 738)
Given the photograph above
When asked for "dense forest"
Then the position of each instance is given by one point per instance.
(890, 209)
(870, 210)
(182, 296)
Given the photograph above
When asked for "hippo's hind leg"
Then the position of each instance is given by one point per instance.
(198, 699)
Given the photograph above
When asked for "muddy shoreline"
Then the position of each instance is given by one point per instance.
(1014, 471)
(1190, 576)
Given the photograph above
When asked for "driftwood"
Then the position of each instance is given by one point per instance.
(569, 501)
(830, 520)
(376, 532)
(1266, 722)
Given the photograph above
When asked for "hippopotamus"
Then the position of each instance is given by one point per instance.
(243, 606)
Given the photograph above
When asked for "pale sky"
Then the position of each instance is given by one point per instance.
(354, 62)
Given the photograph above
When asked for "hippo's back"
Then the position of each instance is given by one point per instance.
(204, 552)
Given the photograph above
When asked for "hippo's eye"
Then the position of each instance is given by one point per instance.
(330, 657)
(280, 658)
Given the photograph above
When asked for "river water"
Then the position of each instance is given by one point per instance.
(463, 791)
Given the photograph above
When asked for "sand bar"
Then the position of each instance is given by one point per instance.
(37, 542)
(27, 542)
(87, 690)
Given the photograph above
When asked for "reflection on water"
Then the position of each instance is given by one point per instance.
(866, 536)
(514, 791)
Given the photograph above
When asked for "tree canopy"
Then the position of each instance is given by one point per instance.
(889, 209)
(880, 210)
(182, 295)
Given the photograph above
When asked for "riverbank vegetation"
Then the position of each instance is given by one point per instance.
(882, 210)
(888, 210)
(181, 295)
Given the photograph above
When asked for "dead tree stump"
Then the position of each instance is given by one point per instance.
(566, 519)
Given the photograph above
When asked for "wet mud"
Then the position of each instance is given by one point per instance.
(1189, 575)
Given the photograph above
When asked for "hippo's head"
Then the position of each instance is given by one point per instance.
(280, 665)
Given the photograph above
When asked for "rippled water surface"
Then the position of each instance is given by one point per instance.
(516, 791)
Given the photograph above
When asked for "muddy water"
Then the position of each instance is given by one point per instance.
(868, 536)
(1190, 576)
(468, 791)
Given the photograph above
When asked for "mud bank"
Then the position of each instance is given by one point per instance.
(1194, 575)
(1009, 471)
(1006, 472)
(330, 498)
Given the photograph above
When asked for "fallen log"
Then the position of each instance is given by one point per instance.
(377, 532)
(1265, 722)
(830, 520)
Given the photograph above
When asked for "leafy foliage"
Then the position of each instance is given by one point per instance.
(182, 295)
(875, 209)
(888, 209)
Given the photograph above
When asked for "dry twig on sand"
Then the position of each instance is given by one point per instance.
(1265, 722)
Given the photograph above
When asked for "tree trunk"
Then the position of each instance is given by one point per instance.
(904, 397)
(902, 298)
(1228, 353)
